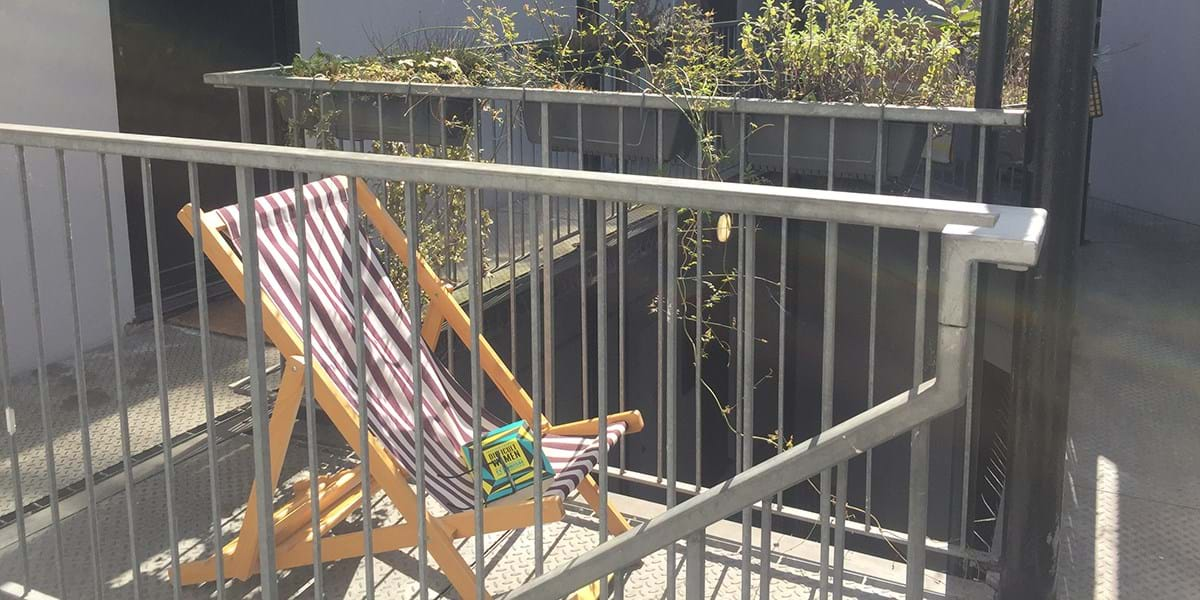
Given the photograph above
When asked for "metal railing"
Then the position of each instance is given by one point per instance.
(879, 148)
(967, 234)
(900, 150)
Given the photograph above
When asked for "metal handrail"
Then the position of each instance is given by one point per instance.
(796, 203)
(279, 78)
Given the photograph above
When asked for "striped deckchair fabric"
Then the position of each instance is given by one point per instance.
(388, 355)
(573, 449)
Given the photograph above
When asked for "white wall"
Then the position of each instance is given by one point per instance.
(348, 27)
(59, 72)
(1146, 147)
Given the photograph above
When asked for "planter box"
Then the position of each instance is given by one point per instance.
(427, 126)
(600, 134)
(808, 146)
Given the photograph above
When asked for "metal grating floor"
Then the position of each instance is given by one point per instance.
(1131, 506)
(185, 393)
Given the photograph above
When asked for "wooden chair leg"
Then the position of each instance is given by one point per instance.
(241, 561)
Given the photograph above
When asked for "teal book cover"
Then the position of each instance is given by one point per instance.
(508, 473)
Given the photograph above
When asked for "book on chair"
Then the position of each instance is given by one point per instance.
(508, 470)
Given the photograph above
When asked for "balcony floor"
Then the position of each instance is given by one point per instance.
(509, 557)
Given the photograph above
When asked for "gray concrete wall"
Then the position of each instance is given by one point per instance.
(357, 27)
(1146, 146)
(59, 72)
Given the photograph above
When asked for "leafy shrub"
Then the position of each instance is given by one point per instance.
(837, 51)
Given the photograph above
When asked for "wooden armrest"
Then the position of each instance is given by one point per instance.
(632, 418)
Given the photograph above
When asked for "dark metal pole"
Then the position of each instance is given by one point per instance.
(1056, 148)
(993, 44)
(989, 82)
(989, 93)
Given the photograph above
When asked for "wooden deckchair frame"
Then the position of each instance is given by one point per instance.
(341, 493)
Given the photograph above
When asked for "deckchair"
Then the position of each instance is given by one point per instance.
(573, 449)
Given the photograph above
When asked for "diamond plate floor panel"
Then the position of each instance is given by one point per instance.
(185, 395)
(1131, 506)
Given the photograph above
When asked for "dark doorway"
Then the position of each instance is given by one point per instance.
(161, 51)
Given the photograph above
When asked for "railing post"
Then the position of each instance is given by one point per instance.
(1056, 147)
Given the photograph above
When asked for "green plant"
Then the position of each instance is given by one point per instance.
(461, 65)
(1020, 41)
(840, 51)
(442, 210)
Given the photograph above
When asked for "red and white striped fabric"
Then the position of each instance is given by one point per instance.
(389, 389)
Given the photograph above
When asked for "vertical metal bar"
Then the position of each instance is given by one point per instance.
(602, 371)
(535, 365)
(660, 313)
(256, 365)
(243, 96)
(548, 266)
(10, 422)
(969, 375)
(495, 141)
(739, 369)
(295, 129)
(206, 373)
(269, 126)
(476, 313)
(918, 493)
(873, 318)
(928, 159)
(672, 393)
(85, 420)
(741, 177)
(698, 331)
(764, 578)
(119, 384)
(412, 132)
(979, 176)
(512, 249)
(694, 589)
(379, 117)
(697, 350)
(448, 270)
(321, 140)
(310, 408)
(583, 279)
(827, 349)
(350, 118)
(362, 400)
(159, 350)
(839, 554)
(622, 232)
(832, 137)
(43, 384)
(415, 343)
(839, 532)
(748, 384)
